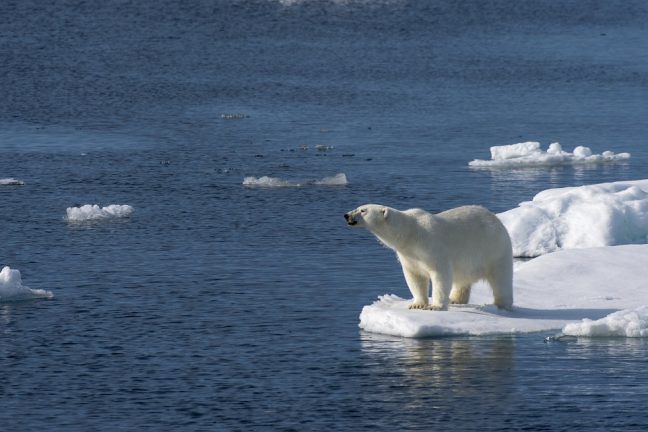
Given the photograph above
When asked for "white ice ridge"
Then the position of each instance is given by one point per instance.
(12, 289)
(94, 212)
(529, 154)
(274, 182)
(11, 182)
(603, 214)
(551, 292)
(624, 323)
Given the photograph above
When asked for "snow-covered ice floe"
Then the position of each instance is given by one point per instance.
(529, 154)
(94, 212)
(274, 182)
(11, 182)
(12, 289)
(624, 323)
(597, 215)
(593, 292)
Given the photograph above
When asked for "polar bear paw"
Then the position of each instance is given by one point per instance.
(421, 306)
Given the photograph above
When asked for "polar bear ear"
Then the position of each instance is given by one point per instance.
(385, 212)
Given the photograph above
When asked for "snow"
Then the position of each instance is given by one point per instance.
(94, 212)
(608, 286)
(12, 289)
(624, 323)
(597, 215)
(11, 182)
(529, 154)
(275, 182)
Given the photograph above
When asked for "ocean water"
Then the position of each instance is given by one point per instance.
(219, 305)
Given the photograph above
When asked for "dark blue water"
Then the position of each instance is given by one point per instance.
(222, 307)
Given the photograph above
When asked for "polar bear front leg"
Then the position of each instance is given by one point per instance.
(418, 285)
(441, 286)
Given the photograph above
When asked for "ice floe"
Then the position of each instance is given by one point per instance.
(93, 212)
(552, 292)
(603, 214)
(275, 182)
(12, 289)
(11, 182)
(624, 323)
(529, 154)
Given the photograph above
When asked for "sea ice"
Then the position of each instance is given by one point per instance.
(551, 291)
(624, 323)
(603, 214)
(275, 182)
(11, 182)
(12, 289)
(94, 212)
(529, 154)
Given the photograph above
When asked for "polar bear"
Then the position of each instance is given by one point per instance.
(454, 249)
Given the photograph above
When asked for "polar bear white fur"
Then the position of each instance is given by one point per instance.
(454, 249)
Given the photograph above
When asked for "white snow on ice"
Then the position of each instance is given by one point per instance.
(274, 182)
(597, 215)
(624, 323)
(11, 182)
(94, 212)
(529, 154)
(12, 289)
(608, 286)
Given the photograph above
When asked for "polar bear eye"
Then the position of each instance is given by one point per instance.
(363, 211)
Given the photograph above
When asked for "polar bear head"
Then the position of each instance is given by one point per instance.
(367, 216)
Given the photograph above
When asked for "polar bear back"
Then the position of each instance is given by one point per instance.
(470, 238)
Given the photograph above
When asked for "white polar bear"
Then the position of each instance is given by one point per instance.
(454, 249)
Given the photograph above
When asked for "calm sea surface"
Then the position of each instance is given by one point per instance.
(217, 306)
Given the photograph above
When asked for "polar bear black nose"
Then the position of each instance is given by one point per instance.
(346, 216)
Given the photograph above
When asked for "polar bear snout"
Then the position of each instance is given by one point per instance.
(350, 219)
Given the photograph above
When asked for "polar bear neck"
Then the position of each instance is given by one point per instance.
(393, 233)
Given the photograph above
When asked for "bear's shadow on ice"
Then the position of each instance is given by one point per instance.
(558, 314)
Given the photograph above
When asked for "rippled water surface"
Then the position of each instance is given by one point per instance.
(223, 306)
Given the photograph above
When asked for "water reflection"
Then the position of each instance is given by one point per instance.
(436, 373)
(5, 314)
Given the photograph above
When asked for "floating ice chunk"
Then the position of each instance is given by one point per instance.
(269, 182)
(233, 116)
(624, 323)
(581, 152)
(551, 292)
(554, 149)
(275, 182)
(529, 154)
(336, 180)
(578, 217)
(12, 289)
(512, 151)
(94, 212)
(11, 182)
(323, 147)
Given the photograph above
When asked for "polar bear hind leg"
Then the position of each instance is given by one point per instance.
(501, 282)
(441, 287)
(460, 294)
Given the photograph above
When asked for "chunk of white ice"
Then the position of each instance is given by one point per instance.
(550, 292)
(93, 212)
(12, 289)
(529, 154)
(11, 182)
(339, 179)
(597, 215)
